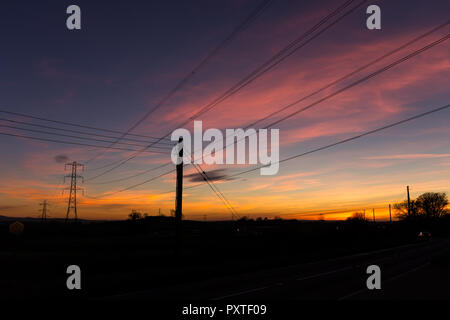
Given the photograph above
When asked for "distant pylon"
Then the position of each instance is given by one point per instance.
(390, 215)
(44, 210)
(72, 203)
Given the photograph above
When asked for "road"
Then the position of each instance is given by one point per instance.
(415, 271)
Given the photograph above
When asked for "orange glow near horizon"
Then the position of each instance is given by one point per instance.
(371, 172)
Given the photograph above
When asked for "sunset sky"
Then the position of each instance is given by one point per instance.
(130, 54)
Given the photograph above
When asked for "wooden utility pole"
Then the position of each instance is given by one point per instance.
(409, 201)
(373, 212)
(179, 197)
(390, 215)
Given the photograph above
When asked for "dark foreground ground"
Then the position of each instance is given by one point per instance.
(248, 260)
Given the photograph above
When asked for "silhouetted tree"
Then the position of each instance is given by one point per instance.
(135, 215)
(402, 210)
(427, 205)
(433, 204)
(357, 216)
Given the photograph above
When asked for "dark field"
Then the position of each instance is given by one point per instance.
(127, 256)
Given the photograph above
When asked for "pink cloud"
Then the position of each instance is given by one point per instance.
(377, 99)
(409, 156)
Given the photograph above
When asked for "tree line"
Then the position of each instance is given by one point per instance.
(429, 205)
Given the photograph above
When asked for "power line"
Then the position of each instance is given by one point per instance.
(234, 212)
(76, 137)
(348, 75)
(78, 125)
(215, 189)
(256, 73)
(373, 74)
(308, 152)
(269, 65)
(73, 143)
(359, 81)
(420, 115)
(254, 14)
(343, 141)
(133, 176)
(78, 132)
(101, 197)
(104, 166)
(135, 185)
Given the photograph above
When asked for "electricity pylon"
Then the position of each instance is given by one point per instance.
(72, 203)
(44, 210)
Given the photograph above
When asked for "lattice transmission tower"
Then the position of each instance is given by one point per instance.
(44, 211)
(72, 203)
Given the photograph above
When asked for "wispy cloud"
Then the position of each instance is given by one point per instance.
(213, 175)
(410, 156)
